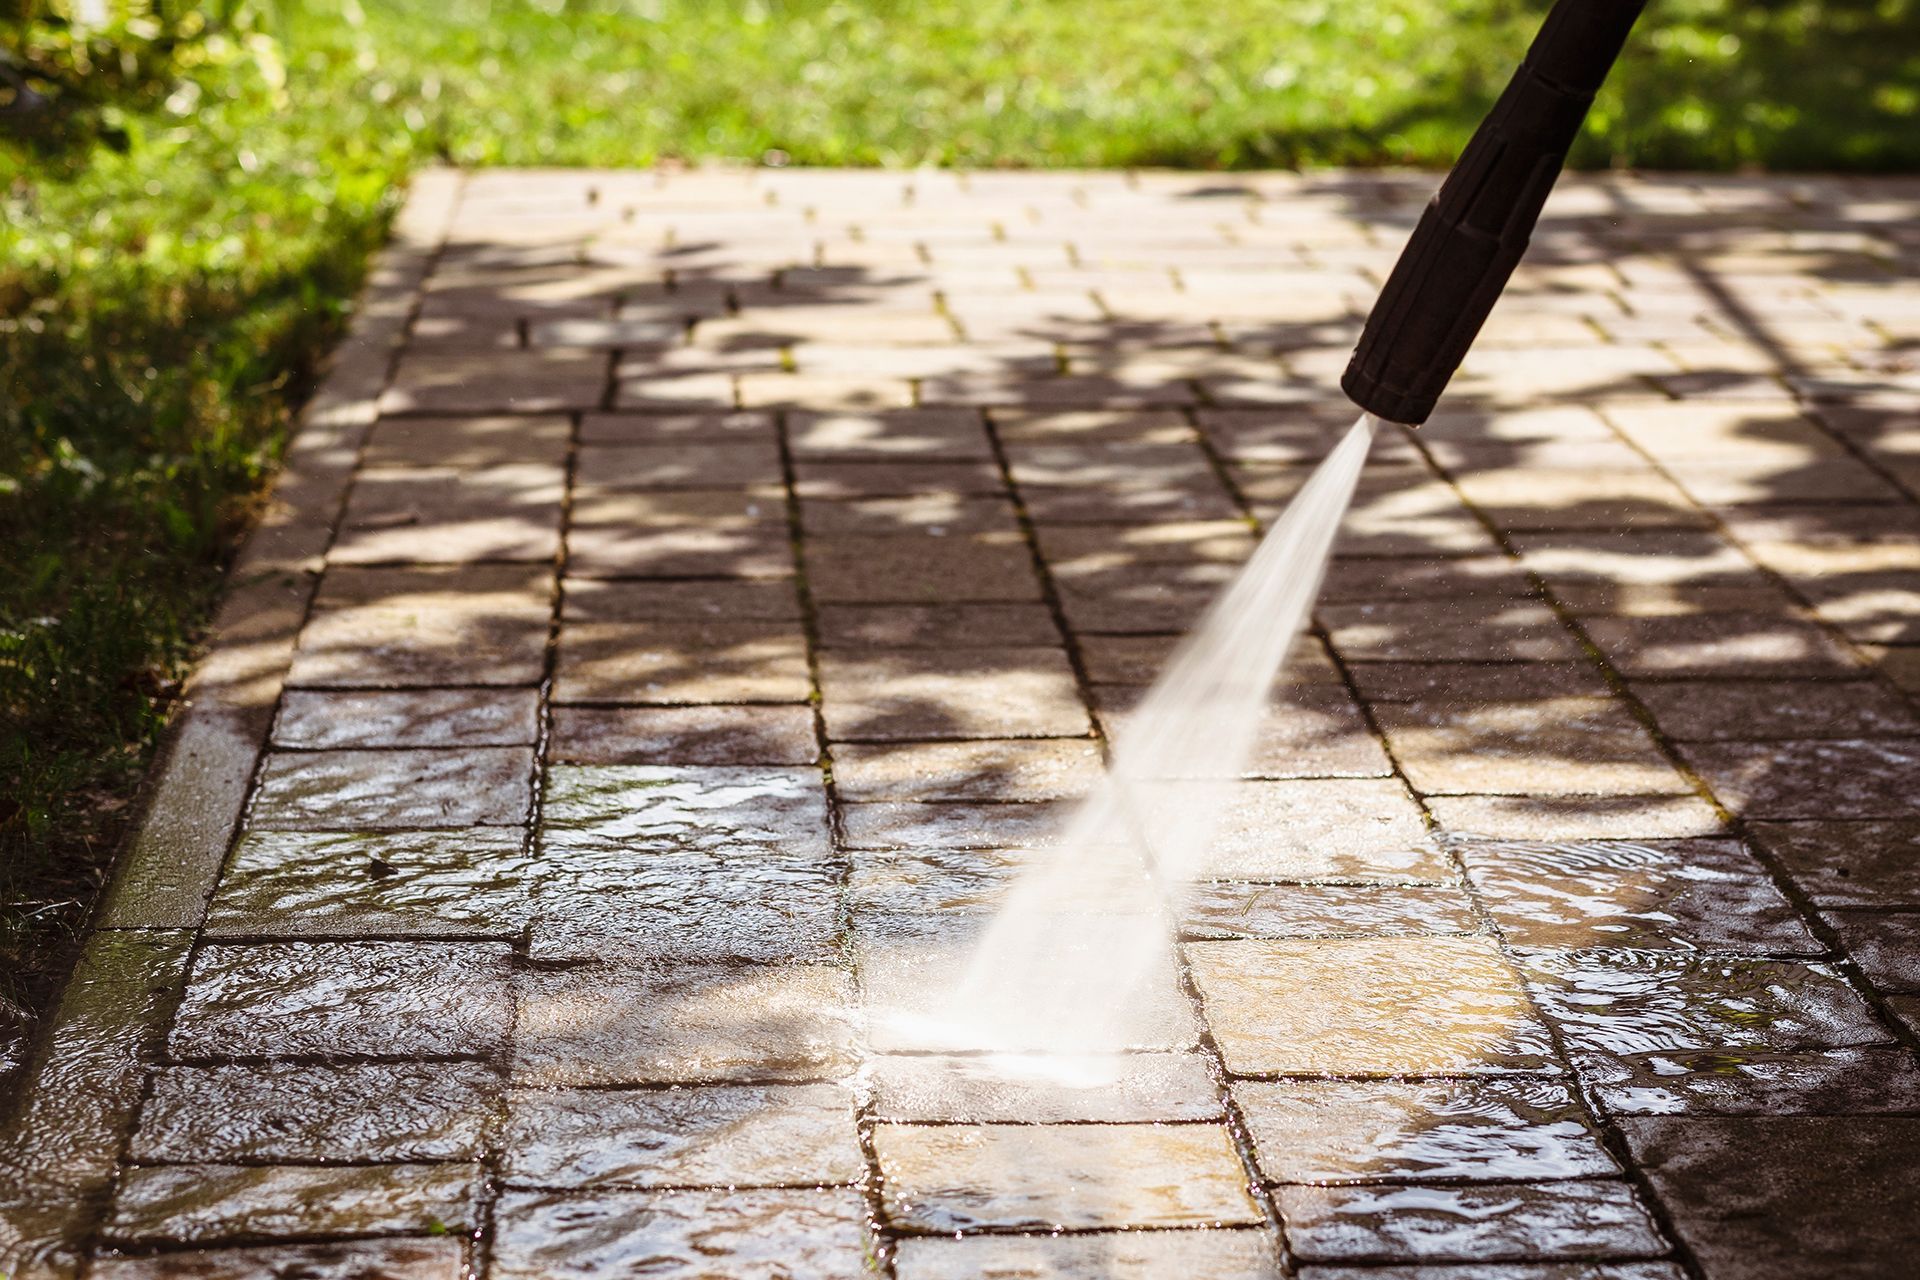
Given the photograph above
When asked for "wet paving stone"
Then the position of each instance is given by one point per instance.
(1343, 1131)
(1358, 829)
(214, 1203)
(1826, 1203)
(390, 998)
(684, 735)
(1735, 1082)
(1759, 710)
(683, 1025)
(913, 694)
(907, 825)
(330, 884)
(1848, 864)
(1476, 1224)
(315, 1113)
(1504, 1271)
(738, 905)
(1625, 1002)
(741, 1235)
(1313, 731)
(1576, 818)
(1228, 1254)
(915, 892)
(670, 809)
(1465, 684)
(957, 1178)
(715, 1136)
(1860, 778)
(440, 1259)
(316, 721)
(1223, 909)
(1043, 1089)
(1886, 946)
(1707, 895)
(998, 771)
(661, 663)
(1390, 1006)
(393, 790)
(1561, 746)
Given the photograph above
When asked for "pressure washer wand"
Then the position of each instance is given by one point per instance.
(1472, 234)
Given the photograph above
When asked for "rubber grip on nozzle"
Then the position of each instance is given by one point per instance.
(1472, 234)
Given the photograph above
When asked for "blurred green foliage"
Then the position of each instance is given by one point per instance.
(189, 191)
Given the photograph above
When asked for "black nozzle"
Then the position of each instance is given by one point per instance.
(1471, 236)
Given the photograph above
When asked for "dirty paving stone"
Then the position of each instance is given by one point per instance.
(1886, 946)
(436, 1259)
(1206, 1254)
(1490, 1130)
(958, 1178)
(722, 735)
(393, 790)
(288, 999)
(703, 1136)
(1473, 1224)
(1753, 1082)
(213, 1203)
(933, 626)
(1504, 1271)
(1576, 818)
(1848, 864)
(1225, 909)
(742, 1235)
(1848, 778)
(1043, 1088)
(290, 1113)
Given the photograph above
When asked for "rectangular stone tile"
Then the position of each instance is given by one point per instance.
(1388, 1006)
(722, 735)
(1615, 557)
(1445, 631)
(1527, 495)
(725, 504)
(211, 1203)
(950, 825)
(934, 514)
(678, 428)
(933, 626)
(663, 809)
(467, 441)
(1562, 746)
(1224, 909)
(1843, 778)
(1044, 1089)
(450, 515)
(712, 1136)
(681, 662)
(393, 790)
(643, 385)
(471, 882)
(314, 720)
(498, 382)
(718, 600)
(918, 569)
(743, 1235)
(1111, 1255)
(950, 435)
(1495, 580)
(974, 771)
(1666, 817)
(1709, 895)
(423, 632)
(1307, 731)
(660, 550)
(1124, 596)
(1494, 1130)
(1622, 1002)
(1366, 830)
(1763, 710)
(1885, 944)
(690, 464)
(440, 1259)
(957, 1178)
(1503, 1271)
(1848, 864)
(1474, 1224)
(1818, 1204)
(1720, 644)
(315, 1113)
(686, 1025)
(387, 998)
(1855, 1081)
(1093, 548)
(917, 694)
(1464, 684)
(816, 479)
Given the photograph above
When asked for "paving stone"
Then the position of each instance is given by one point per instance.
(950, 825)
(1848, 864)
(727, 503)
(407, 718)
(1476, 1224)
(957, 1178)
(440, 1259)
(1307, 731)
(471, 882)
(212, 1203)
(975, 771)
(1709, 895)
(385, 998)
(1107, 1255)
(1576, 818)
(932, 514)
(1623, 1002)
(691, 464)
(497, 382)
(683, 735)
(1494, 580)
(1719, 644)
(659, 550)
(315, 1113)
(1123, 596)
(1562, 746)
(1094, 548)
(1504, 1271)
(1360, 829)
(1495, 1130)
(681, 662)
(686, 1025)
(920, 569)
(712, 1136)
(393, 790)
(719, 600)
(1392, 1006)
(1670, 557)
(1043, 1089)
(743, 1235)
(661, 809)
(1761, 710)
(1753, 1082)
(1886, 946)
(451, 515)
(904, 626)
(1446, 631)
(915, 694)
(1529, 496)
(1816, 1206)
(678, 428)
(815, 479)
(1843, 778)
(953, 435)
(1465, 684)
(439, 625)
(1223, 909)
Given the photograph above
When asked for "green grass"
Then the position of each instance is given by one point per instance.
(162, 310)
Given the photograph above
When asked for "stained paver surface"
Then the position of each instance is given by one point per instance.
(695, 594)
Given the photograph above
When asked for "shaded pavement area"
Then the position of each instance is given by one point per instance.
(693, 594)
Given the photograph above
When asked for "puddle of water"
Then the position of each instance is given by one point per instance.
(1056, 973)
